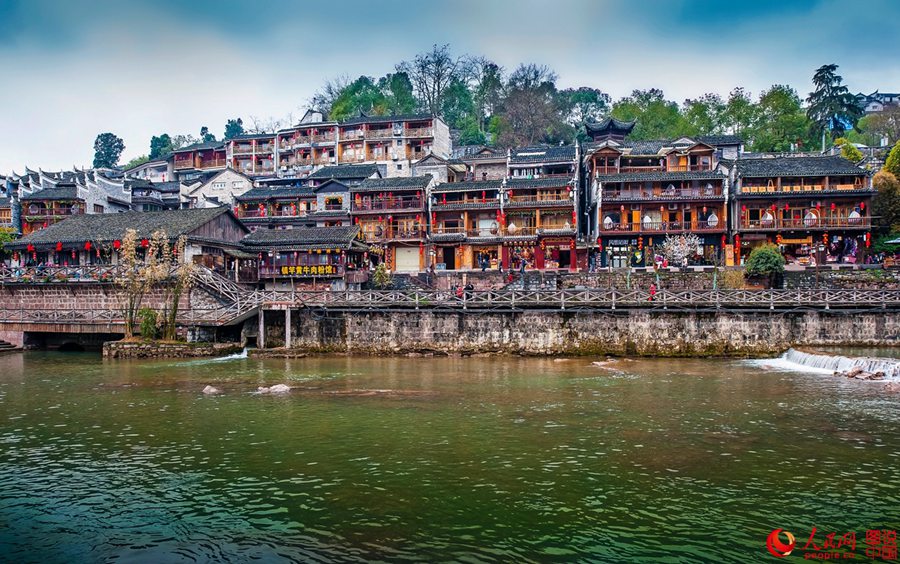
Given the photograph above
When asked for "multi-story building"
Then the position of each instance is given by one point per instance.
(466, 222)
(198, 160)
(539, 222)
(277, 206)
(158, 170)
(394, 142)
(391, 212)
(643, 191)
(482, 163)
(221, 188)
(804, 204)
(153, 196)
(6, 219)
(252, 154)
(348, 174)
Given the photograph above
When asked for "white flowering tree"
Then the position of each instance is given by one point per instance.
(676, 247)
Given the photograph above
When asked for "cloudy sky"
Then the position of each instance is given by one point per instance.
(73, 69)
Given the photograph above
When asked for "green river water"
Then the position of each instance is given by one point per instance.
(434, 459)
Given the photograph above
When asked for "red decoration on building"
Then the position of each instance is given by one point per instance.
(117, 244)
(833, 206)
(73, 253)
(145, 243)
(862, 205)
(868, 240)
(818, 206)
(743, 208)
(58, 247)
(30, 248)
(599, 244)
(87, 246)
(787, 207)
(723, 241)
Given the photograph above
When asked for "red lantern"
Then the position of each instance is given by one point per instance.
(117, 244)
(743, 208)
(87, 246)
(773, 207)
(818, 206)
(833, 206)
(723, 241)
(787, 207)
(73, 253)
(572, 244)
(145, 243)
(421, 248)
(30, 248)
(418, 218)
(58, 247)
(356, 220)
(868, 240)
(574, 217)
(862, 205)
(599, 244)
(704, 209)
(444, 199)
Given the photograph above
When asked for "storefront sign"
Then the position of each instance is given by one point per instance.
(322, 269)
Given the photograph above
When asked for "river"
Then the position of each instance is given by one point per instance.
(467, 459)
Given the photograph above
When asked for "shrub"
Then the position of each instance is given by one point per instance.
(765, 261)
(149, 322)
(382, 278)
(733, 279)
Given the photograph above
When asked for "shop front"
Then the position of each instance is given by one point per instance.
(557, 253)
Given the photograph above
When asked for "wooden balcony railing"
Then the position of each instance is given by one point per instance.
(394, 233)
(242, 150)
(52, 212)
(807, 223)
(677, 194)
(400, 203)
(211, 163)
(663, 227)
(419, 132)
(379, 133)
(352, 135)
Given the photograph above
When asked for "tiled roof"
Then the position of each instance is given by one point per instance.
(401, 183)
(201, 146)
(717, 140)
(557, 182)
(344, 172)
(543, 154)
(168, 187)
(662, 176)
(264, 193)
(468, 186)
(251, 136)
(56, 193)
(385, 119)
(796, 166)
(332, 186)
(105, 228)
(302, 237)
(610, 123)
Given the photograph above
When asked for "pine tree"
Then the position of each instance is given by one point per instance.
(831, 105)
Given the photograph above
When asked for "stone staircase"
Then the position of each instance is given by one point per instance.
(7, 347)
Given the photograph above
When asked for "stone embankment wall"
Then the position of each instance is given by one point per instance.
(624, 332)
(150, 349)
(88, 295)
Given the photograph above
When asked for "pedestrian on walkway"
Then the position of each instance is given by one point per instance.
(652, 291)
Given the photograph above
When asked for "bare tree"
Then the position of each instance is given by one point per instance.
(269, 124)
(432, 73)
(486, 81)
(324, 97)
(138, 274)
(182, 279)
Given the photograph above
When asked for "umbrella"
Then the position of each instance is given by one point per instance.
(893, 241)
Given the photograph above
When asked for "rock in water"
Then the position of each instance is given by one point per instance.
(279, 389)
(209, 390)
(262, 390)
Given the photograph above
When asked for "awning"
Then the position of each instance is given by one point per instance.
(239, 254)
(893, 241)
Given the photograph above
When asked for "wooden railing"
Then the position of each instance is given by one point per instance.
(663, 226)
(398, 203)
(802, 223)
(679, 194)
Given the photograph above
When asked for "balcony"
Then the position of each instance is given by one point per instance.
(52, 212)
(807, 223)
(530, 200)
(323, 138)
(211, 163)
(659, 194)
(242, 150)
(352, 158)
(664, 227)
(804, 189)
(419, 132)
(411, 203)
(379, 133)
(184, 164)
(352, 135)
(394, 233)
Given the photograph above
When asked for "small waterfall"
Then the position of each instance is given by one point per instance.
(836, 363)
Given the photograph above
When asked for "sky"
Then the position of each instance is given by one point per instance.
(73, 69)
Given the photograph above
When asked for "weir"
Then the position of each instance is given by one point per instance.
(839, 363)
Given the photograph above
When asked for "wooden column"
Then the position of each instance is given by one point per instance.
(261, 337)
(287, 328)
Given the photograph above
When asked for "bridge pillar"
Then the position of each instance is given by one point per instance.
(287, 328)
(261, 336)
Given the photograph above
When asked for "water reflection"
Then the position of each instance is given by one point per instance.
(450, 458)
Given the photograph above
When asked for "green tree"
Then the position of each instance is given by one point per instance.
(382, 277)
(892, 163)
(458, 104)
(657, 118)
(361, 95)
(848, 150)
(107, 150)
(431, 74)
(6, 236)
(831, 106)
(137, 161)
(233, 128)
(704, 115)
(160, 146)
(886, 204)
(765, 260)
(486, 79)
(582, 105)
(740, 111)
(206, 136)
(398, 91)
(781, 123)
(470, 133)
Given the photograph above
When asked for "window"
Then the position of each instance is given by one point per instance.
(399, 167)
(237, 184)
(98, 208)
(218, 185)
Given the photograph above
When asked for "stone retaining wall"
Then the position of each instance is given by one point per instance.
(623, 332)
(151, 349)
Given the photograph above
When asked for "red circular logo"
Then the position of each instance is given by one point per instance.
(777, 548)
